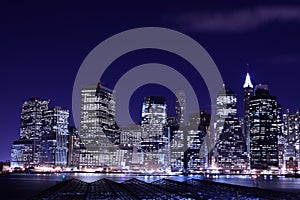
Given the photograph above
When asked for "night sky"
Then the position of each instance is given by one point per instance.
(42, 45)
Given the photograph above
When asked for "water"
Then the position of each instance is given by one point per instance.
(23, 186)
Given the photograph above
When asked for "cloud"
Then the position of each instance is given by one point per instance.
(237, 20)
(284, 59)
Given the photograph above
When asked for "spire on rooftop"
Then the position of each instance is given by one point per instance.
(248, 81)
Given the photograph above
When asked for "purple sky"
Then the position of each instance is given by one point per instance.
(43, 45)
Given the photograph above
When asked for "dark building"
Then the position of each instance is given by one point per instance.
(265, 128)
(74, 146)
(290, 141)
(248, 93)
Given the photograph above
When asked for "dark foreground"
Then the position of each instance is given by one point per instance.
(161, 189)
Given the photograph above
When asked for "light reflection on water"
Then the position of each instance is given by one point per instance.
(91, 177)
(46, 180)
(265, 182)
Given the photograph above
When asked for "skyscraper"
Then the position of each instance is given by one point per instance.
(231, 146)
(197, 129)
(265, 128)
(43, 135)
(180, 108)
(55, 137)
(248, 93)
(98, 129)
(154, 142)
(74, 145)
(27, 151)
(291, 142)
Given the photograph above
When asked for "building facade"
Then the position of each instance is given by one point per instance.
(291, 156)
(55, 137)
(98, 129)
(27, 151)
(180, 108)
(43, 135)
(196, 154)
(231, 146)
(153, 141)
(248, 93)
(265, 129)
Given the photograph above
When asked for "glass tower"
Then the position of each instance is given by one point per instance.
(154, 141)
(248, 93)
(265, 129)
(27, 151)
(98, 129)
(55, 137)
(231, 146)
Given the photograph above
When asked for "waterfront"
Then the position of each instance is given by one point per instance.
(23, 186)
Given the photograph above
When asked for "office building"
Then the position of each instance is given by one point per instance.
(27, 151)
(74, 146)
(98, 129)
(231, 145)
(265, 129)
(153, 141)
(55, 137)
(290, 141)
(196, 154)
(248, 93)
(180, 108)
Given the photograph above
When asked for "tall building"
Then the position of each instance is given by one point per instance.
(130, 142)
(154, 141)
(248, 93)
(291, 135)
(231, 146)
(265, 128)
(55, 137)
(43, 135)
(195, 156)
(74, 146)
(180, 108)
(27, 151)
(176, 146)
(98, 129)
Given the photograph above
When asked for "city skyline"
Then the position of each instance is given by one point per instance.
(29, 70)
(161, 141)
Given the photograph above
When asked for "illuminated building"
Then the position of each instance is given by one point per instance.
(265, 128)
(180, 107)
(55, 137)
(21, 153)
(154, 142)
(291, 143)
(248, 93)
(197, 129)
(43, 135)
(130, 141)
(231, 146)
(74, 145)
(98, 129)
(27, 151)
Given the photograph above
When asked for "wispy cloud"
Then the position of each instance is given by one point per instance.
(237, 20)
(284, 59)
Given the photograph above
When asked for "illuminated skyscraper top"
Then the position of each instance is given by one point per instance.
(248, 82)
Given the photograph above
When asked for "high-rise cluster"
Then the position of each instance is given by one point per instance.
(261, 139)
(43, 135)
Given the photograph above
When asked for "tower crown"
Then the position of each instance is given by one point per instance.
(248, 82)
